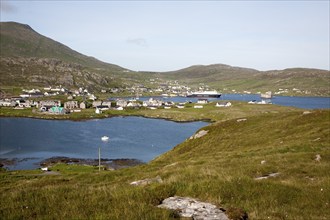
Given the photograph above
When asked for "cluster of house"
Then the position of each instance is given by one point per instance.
(170, 88)
(50, 91)
(56, 107)
(120, 104)
(51, 106)
(295, 90)
(200, 103)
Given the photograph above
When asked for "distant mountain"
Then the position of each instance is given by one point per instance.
(20, 40)
(29, 59)
(297, 81)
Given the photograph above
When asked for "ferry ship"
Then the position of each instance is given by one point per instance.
(204, 94)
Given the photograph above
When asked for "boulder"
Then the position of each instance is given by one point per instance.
(200, 134)
(192, 208)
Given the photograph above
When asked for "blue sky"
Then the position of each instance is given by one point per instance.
(170, 35)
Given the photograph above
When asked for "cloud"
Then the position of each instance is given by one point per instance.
(137, 41)
(7, 7)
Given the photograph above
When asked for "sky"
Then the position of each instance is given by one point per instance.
(171, 35)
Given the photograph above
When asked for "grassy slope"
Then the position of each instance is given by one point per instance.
(219, 168)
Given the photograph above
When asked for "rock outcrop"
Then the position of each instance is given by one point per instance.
(192, 208)
(200, 134)
(49, 71)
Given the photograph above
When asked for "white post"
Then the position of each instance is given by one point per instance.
(99, 159)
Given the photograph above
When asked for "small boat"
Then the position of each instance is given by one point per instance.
(104, 138)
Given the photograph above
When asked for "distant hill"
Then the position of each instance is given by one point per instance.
(21, 40)
(29, 59)
(298, 81)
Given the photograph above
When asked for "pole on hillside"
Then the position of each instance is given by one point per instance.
(99, 159)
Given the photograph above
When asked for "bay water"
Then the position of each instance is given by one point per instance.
(32, 140)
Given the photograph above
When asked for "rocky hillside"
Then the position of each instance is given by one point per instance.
(29, 59)
(48, 71)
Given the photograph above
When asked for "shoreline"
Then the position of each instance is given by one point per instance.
(7, 163)
(101, 116)
(110, 116)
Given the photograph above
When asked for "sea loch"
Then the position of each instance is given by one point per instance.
(32, 140)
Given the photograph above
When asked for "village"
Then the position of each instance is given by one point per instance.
(61, 100)
(46, 100)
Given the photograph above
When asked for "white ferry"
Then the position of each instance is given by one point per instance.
(205, 94)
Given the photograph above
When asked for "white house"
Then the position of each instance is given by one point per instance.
(92, 97)
(82, 105)
(107, 103)
(121, 103)
(98, 111)
(96, 103)
(152, 103)
(198, 106)
(223, 104)
(133, 104)
(49, 103)
(71, 105)
(202, 101)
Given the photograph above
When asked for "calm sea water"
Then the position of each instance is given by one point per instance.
(299, 102)
(130, 137)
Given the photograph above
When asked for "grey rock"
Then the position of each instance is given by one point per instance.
(200, 134)
(189, 207)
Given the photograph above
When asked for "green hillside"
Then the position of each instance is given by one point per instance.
(226, 78)
(220, 167)
(20, 40)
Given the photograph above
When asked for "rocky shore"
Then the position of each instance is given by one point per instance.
(106, 163)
